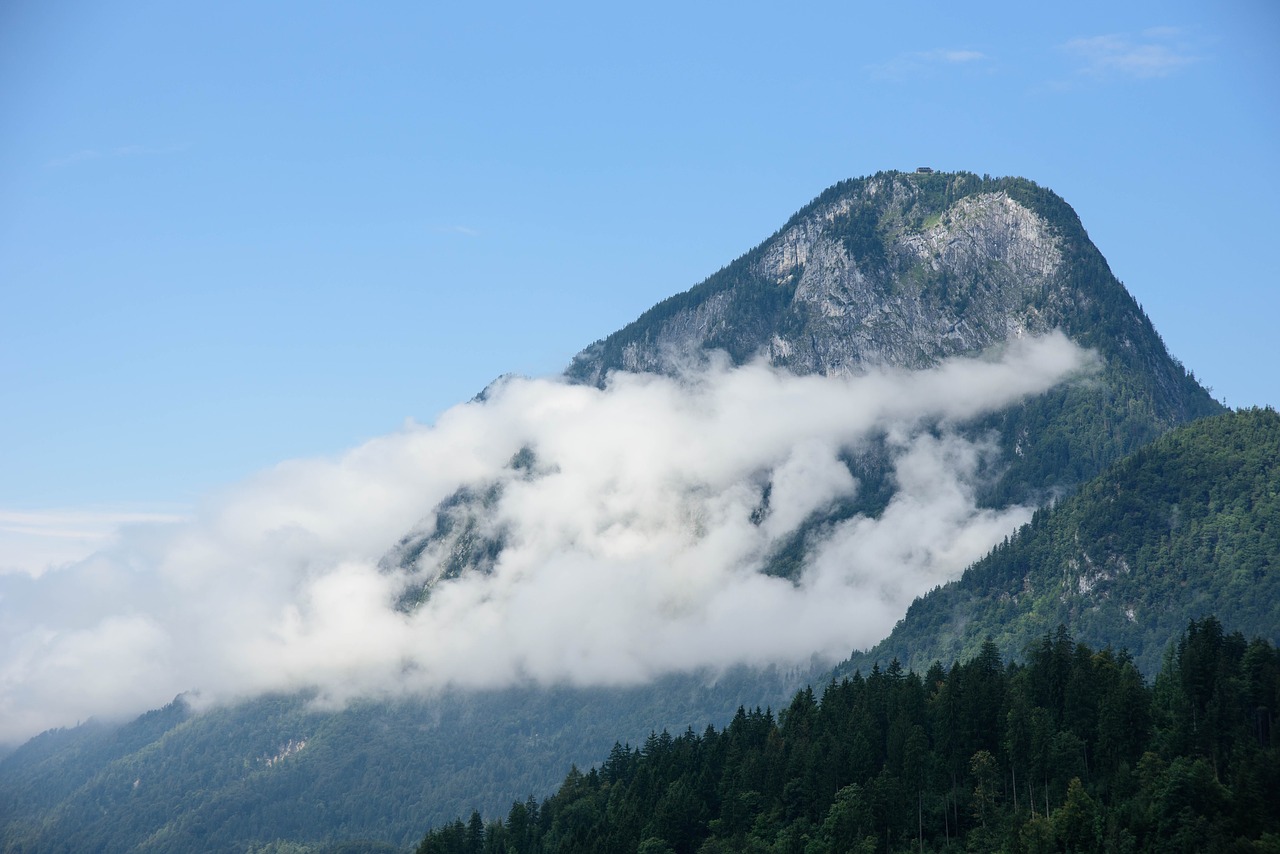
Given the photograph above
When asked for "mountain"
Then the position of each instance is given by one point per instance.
(899, 270)
(895, 270)
(906, 269)
(1185, 527)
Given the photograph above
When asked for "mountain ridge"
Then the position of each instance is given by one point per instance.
(922, 231)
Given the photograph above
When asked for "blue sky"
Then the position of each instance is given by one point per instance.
(235, 233)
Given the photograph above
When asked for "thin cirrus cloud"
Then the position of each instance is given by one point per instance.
(1156, 52)
(922, 63)
(633, 545)
(461, 230)
(86, 155)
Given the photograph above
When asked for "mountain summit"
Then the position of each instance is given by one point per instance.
(900, 269)
(907, 269)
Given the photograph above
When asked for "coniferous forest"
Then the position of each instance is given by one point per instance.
(1069, 751)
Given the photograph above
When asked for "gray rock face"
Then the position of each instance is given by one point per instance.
(683, 335)
(967, 282)
(904, 270)
(875, 276)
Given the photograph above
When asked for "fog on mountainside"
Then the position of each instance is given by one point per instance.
(634, 541)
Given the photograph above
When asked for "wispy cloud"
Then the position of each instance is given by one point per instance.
(1155, 52)
(957, 55)
(922, 63)
(89, 154)
(463, 230)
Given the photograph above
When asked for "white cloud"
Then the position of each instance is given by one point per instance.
(632, 552)
(958, 55)
(1157, 52)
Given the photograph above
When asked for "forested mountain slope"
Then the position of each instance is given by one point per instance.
(277, 768)
(1069, 752)
(1187, 526)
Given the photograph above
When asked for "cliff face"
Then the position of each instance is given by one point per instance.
(886, 272)
(960, 284)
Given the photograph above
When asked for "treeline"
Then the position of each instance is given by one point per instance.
(1069, 751)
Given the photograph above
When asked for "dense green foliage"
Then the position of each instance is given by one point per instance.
(1186, 526)
(281, 773)
(1069, 752)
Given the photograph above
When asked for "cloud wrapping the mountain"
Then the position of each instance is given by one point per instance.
(632, 548)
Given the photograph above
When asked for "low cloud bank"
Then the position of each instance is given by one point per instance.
(632, 546)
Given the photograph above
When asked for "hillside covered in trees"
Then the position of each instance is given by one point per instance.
(279, 769)
(1186, 526)
(1070, 751)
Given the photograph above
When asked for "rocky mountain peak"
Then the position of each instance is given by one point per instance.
(959, 281)
(907, 269)
(897, 269)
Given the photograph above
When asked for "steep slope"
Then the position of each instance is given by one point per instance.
(1187, 526)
